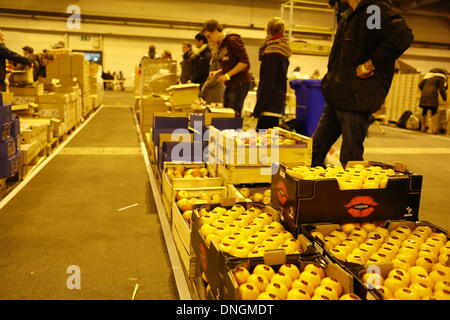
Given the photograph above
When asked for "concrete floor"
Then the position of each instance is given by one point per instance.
(68, 215)
(425, 154)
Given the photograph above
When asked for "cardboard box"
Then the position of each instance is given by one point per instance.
(54, 98)
(170, 184)
(6, 98)
(77, 64)
(147, 108)
(5, 113)
(35, 90)
(184, 94)
(322, 201)
(23, 76)
(213, 261)
(250, 148)
(65, 64)
(6, 130)
(235, 191)
(15, 126)
(11, 166)
(358, 270)
(230, 290)
(192, 151)
(8, 148)
(59, 111)
(25, 100)
(181, 227)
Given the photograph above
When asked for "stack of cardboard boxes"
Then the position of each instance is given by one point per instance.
(96, 84)
(34, 137)
(72, 68)
(59, 105)
(10, 154)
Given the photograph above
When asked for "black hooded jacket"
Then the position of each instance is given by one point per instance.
(6, 54)
(354, 44)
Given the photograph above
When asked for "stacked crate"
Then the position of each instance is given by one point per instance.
(10, 154)
(403, 96)
(59, 105)
(72, 68)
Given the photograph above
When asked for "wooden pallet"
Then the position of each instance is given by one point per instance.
(8, 184)
(35, 162)
(51, 146)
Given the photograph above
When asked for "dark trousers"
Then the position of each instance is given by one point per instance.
(266, 122)
(353, 127)
(234, 97)
(431, 108)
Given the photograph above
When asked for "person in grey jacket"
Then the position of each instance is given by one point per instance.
(212, 91)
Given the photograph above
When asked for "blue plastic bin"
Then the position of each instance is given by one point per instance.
(310, 104)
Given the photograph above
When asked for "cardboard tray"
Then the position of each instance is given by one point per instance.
(228, 151)
(321, 201)
(230, 290)
(183, 151)
(234, 190)
(232, 174)
(356, 269)
(181, 226)
(212, 260)
(169, 185)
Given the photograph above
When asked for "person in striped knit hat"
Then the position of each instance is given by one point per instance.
(274, 56)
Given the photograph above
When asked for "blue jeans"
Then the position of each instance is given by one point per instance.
(234, 97)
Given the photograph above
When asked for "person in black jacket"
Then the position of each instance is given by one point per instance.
(274, 56)
(433, 83)
(186, 64)
(201, 61)
(6, 54)
(360, 71)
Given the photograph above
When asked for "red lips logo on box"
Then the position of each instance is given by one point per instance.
(361, 206)
(282, 193)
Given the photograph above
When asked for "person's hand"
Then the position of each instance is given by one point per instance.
(363, 71)
(222, 79)
(213, 74)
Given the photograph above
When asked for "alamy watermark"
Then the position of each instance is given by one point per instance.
(374, 20)
(74, 20)
(73, 282)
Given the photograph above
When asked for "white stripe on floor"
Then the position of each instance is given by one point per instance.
(180, 278)
(100, 151)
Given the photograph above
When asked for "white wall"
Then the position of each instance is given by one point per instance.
(123, 46)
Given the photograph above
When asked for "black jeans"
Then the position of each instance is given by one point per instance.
(266, 122)
(353, 127)
(234, 97)
(431, 108)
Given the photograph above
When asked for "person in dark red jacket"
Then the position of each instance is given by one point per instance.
(235, 65)
(6, 54)
(274, 56)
